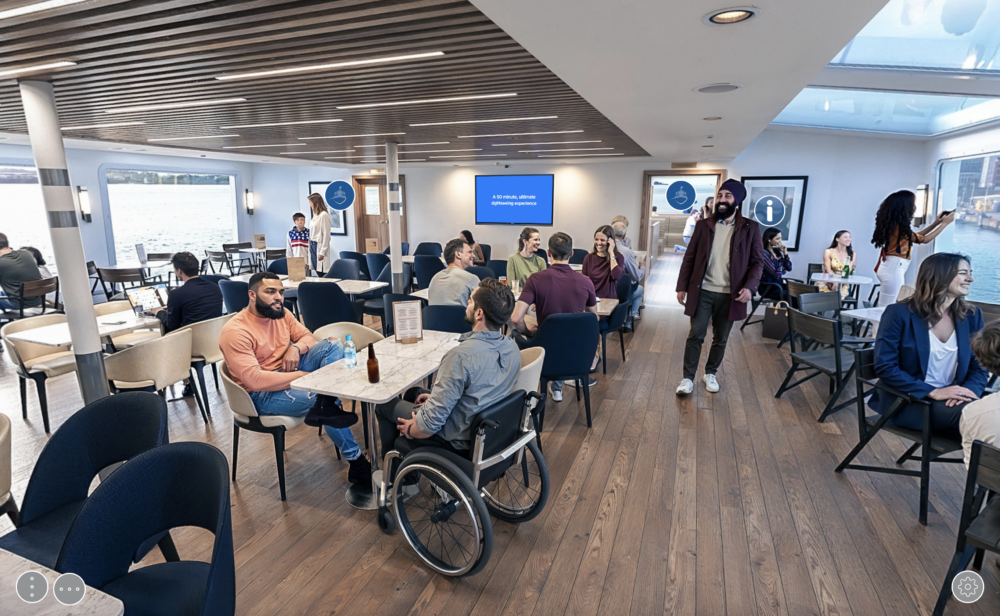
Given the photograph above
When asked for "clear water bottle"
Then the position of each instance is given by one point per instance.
(350, 353)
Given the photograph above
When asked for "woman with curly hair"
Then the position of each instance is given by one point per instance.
(894, 238)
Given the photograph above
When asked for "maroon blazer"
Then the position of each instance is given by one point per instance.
(746, 262)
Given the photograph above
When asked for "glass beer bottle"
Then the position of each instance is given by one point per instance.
(373, 372)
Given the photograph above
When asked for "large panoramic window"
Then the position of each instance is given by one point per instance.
(170, 212)
(971, 187)
(22, 211)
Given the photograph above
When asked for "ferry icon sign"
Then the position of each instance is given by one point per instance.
(680, 195)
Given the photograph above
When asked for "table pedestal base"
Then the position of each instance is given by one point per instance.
(361, 497)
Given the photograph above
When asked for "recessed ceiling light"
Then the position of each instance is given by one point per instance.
(403, 145)
(430, 151)
(470, 156)
(323, 67)
(117, 149)
(485, 121)
(730, 16)
(352, 136)
(37, 7)
(712, 118)
(577, 155)
(112, 125)
(317, 152)
(718, 88)
(500, 145)
(550, 132)
(36, 67)
(562, 150)
(429, 100)
(190, 138)
(280, 124)
(203, 103)
(270, 145)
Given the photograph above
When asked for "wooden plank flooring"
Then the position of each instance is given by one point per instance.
(724, 504)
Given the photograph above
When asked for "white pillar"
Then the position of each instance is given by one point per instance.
(38, 100)
(395, 226)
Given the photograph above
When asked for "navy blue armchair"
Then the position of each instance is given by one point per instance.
(425, 268)
(579, 254)
(446, 319)
(481, 272)
(362, 262)
(279, 266)
(498, 266)
(234, 295)
(430, 249)
(376, 263)
(322, 303)
(345, 269)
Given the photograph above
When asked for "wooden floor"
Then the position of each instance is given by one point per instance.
(717, 504)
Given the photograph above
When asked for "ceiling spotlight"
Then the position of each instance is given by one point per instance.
(718, 88)
(712, 118)
(730, 16)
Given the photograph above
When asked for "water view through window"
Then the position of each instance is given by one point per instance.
(22, 211)
(170, 212)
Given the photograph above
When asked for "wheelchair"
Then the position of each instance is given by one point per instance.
(443, 501)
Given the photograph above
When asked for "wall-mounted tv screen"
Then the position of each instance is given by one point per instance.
(514, 199)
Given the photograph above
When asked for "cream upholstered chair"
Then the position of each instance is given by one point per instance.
(532, 361)
(130, 339)
(905, 292)
(7, 503)
(205, 351)
(245, 417)
(37, 362)
(361, 336)
(154, 364)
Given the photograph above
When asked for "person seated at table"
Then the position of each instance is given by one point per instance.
(43, 270)
(479, 258)
(297, 241)
(923, 347)
(776, 265)
(627, 241)
(633, 270)
(557, 290)
(452, 286)
(525, 262)
(839, 255)
(981, 418)
(16, 266)
(266, 349)
(195, 300)
(605, 264)
(481, 370)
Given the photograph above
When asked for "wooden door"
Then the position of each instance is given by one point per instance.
(371, 212)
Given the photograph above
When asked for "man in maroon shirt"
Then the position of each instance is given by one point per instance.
(554, 290)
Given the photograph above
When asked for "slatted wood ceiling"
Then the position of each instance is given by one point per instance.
(153, 52)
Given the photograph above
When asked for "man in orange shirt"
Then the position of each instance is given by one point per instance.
(266, 349)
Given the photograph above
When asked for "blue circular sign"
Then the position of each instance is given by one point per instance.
(680, 196)
(769, 211)
(340, 195)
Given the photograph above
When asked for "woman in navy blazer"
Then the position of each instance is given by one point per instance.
(904, 354)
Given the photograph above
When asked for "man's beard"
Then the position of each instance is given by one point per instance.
(265, 310)
(724, 210)
(471, 320)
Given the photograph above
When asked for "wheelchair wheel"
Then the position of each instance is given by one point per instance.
(521, 492)
(445, 521)
(386, 523)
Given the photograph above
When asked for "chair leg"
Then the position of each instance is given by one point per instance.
(909, 452)
(833, 400)
(604, 351)
(215, 373)
(279, 454)
(925, 473)
(540, 422)
(621, 337)
(236, 448)
(958, 563)
(977, 562)
(577, 385)
(586, 397)
(168, 549)
(10, 508)
(788, 377)
(24, 396)
(199, 367)
(338, 451)
(43, 399)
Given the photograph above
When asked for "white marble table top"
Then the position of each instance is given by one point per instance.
(107, 325)
(432, 348)
(262, 250)
(294, 284)
(137, 265)
(410, 259)
(397, 375)
(354, 287)
(872, 315)
(246, 277)
(94, 602)
(837, 279)
(605, 306)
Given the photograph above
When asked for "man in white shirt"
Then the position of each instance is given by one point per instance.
(453, 285)
(981, 418)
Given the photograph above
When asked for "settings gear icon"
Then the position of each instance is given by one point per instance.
(967, 586)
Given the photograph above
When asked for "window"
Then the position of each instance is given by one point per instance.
(22, 210)
(170, 211)
(971, 187)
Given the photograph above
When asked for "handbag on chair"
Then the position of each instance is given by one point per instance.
(775, 321)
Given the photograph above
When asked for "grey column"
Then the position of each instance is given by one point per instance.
(395, 211)
(39, 103)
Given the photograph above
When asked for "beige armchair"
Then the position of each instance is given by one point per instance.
(361, 336)
(905, 292)
(130, 339)
(155, 364)
(245, 417)
(531, 369)
(37, 362)
(7, 503)
(205, 350)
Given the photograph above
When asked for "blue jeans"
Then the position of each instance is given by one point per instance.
(636, 301)
(6, 305)
(296, 403)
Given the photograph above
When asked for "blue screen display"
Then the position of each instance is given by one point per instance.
(514, 199)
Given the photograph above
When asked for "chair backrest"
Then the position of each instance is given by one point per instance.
(216, 256)
(235, 295)
(277, 253)
(176, 485)
(822, 304)
(481, 272)
(106, 308)
(5, 469)
(986, 464)
(618, 316)
(361, 336)
(623, 289)
(425, 267)
(579, 254)
(487, 251)
(905, 292)
(107, 431)
(20, 351)
(532, 361)
(498, 266)
(864, 363)
(507, 413)
(214, 278)
(798, 289)
(570, 341)
(820, 329)
(405, 246)
(164, 360)
(543, 254)
(991, 312)
(814, 268)
(279, 266)
(345, 269)
(128, 275)
(387, 301)
(362, 262)
(446, 319)
(322, 303)
(205, 338)
(159, 256)
(432, 249)
(376, 263)
(235, 248)
(39, 288)
(240, 402)
(91, 269)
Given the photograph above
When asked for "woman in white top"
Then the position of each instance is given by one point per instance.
(981, 418)
(319, 234)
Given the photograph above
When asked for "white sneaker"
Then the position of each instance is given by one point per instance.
(711, 385)
(556, 394)
(685, 388)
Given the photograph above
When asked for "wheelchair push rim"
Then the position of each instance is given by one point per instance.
(520, 493)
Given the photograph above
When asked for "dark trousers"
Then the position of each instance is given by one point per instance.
(944, 419)
(387, 414)
(715, 307)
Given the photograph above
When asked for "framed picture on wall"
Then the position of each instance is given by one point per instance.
(777, 201)
(338, 221)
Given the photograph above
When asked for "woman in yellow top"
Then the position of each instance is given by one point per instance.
(839, 254)
(525, 262)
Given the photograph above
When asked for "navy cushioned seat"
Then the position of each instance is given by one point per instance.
(41, 540)
(183, 582)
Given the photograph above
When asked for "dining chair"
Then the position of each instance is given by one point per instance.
(205, 351)
(322, 303)
(376, 263)
(532, 361)
(273, 255)
(445, 319)
(238, 260)
(387, 301)
(828, 305)
(159, 257)
(615, 322)
(219, 257)
(102, 434)
(543, 254)
(127, 277)
(345, 269)
(172, 486)
(95, 277)
(481, 272)
(487, 252)
(279, 266)
(425, 267)
(361, 260)
(37, 362)
(404, 248)
(429, 249)
(8, 506)
(34, 289)
(579, 254)
(235, 295)
(130, 339)
(499, 268)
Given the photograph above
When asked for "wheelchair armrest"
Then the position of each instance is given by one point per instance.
(488, 423)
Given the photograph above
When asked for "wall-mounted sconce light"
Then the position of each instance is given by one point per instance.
(922, 195)
(84, 198)
(249, 201)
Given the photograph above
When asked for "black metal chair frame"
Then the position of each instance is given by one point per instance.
(34, 288)
(761, 299)
(120, 276)
(239, 259)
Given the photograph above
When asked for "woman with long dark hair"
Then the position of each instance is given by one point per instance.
(894, 238)
(776, 265)
(525, 262)
(605, 265)
(839, 255)
(923, 347)
(319, 234)
(479, 259)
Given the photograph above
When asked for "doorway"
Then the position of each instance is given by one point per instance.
(371, 212)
